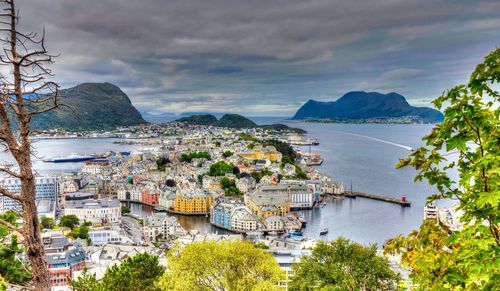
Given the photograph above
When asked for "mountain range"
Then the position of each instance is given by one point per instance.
(359, 105)
(90, 106)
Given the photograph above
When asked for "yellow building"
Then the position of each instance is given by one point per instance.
(192, 204)
(268, 201)
(260, 153)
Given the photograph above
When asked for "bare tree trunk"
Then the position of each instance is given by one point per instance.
(28, 67)
(31, 226)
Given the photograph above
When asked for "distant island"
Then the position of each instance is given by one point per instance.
(235, 121)
(367, 107)
(90, 106)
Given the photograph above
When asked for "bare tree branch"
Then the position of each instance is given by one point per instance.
(11, 195)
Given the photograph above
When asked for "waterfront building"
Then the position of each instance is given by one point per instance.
(242, 220)
(263, 153)
(274, 223)
(161, 226)
(45, 190)
(301, 196)
(269, 200)
(192, 203)
(97, 212)
(150, 198)
(221, 213)
(167, 196)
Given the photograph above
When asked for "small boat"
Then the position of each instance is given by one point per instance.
(296, 233)
(323, 231)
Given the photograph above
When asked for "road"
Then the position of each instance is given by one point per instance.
(133, 228)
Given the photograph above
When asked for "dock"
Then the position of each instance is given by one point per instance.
(402, 201)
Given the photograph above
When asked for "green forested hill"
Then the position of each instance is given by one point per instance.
(93, 106)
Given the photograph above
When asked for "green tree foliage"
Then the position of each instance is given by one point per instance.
(125, 209)
(12, 268)
(195, 155)
(10, 217)
(47, 222)
(300, 174)
(81, 232)
(226, 265)
(161, 163)
(86, 282)
(227, 154)
(259, 175)
(343, 265)
(286, 160)
(200, 178)
(284, 148)
(3, 284)
(229, 187)
(139, 272)
(248, 137)
(69, 221)
(470, 258)
(220, 169)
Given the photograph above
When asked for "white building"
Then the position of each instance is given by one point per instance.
(96, 167)
(45, 191)
(301, 196)
(94, 211)
(160, 225)
(243, 220)
(100, 237)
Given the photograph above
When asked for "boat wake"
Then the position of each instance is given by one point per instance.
(408, 148)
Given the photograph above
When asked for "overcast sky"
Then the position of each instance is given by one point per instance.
(260, 57)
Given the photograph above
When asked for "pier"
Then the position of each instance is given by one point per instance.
(402, 201)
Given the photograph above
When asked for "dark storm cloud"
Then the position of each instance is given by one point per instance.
(263, 57)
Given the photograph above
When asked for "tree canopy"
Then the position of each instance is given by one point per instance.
(220, 168)
(469, 258)
(139, 272)
(47, 222)
(12, 269)
(195, 155)
(226, 265)
(229, 187)
(69, 221)
(343, 265)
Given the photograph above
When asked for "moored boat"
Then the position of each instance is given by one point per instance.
(71, 158)
(296, 233)
(323, 231)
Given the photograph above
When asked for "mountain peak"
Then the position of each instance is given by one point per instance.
(93, 106)
(367, 105)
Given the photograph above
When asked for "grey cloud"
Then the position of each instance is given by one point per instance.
(198, 55)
